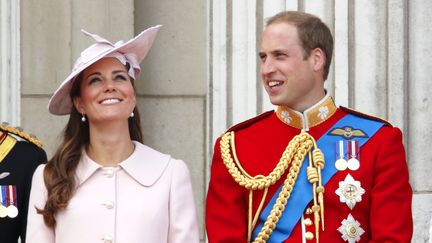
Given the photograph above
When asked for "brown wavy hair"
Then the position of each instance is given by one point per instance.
(59, 173)
(312, 32)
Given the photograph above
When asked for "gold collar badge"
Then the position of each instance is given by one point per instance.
(311, 117)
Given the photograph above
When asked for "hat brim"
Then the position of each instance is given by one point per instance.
(61, 103)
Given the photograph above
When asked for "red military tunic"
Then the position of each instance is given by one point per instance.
(384, 211)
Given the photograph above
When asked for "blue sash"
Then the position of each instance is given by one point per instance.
(299, 199)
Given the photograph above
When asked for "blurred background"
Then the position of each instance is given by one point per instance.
(201, 75)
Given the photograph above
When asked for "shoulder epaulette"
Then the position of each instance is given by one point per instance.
(357, 113)
(4, 126)
(250, 121)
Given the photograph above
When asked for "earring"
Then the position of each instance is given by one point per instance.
(83, 119)
(132, 114)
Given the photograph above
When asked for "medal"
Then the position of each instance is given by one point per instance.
(353, 162)
(340, 164)
(350, 191)
(350, 229)
(12, 210)
(3, 211)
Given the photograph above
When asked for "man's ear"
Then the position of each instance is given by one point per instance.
(318, 59)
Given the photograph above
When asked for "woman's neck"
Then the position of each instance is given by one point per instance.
(109, 147)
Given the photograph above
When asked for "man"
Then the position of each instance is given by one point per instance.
(309, 172)
(20, 154)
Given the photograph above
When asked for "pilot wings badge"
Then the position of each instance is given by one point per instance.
(348, 132)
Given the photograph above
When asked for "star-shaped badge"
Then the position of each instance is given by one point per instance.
(350, 191)
(350, 229)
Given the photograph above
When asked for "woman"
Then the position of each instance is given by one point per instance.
(103, 184)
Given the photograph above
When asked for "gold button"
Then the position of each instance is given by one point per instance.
(308, 211)
(309, 236)
(308, 222)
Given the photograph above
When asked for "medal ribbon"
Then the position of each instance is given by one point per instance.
(3, 195)
(353, 149)
(7, 197)
(12, 195)
(340, 149)
(299, 200)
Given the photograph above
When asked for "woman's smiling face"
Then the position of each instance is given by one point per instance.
(106, 92)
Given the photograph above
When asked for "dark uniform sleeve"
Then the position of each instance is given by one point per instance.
(226, 217)
(20, 163)
(38, 157)
(391, 196)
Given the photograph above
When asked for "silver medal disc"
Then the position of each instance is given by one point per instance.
(12, 211)
(3, 211)
(341, 164)
(353, 164)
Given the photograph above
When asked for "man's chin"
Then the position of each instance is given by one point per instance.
(276, 102)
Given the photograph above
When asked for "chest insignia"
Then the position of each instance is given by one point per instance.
(350, 229)
(4, 175)
(350, 191)
(8, 201)
(348, 132)
(349, 149)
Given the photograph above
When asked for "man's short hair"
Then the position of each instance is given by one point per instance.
(312, 32)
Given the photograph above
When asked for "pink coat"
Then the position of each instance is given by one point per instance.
(147, 198)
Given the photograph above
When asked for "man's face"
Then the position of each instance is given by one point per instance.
(288, 77)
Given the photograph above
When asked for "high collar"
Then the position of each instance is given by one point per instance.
(311, 117)
(145, 165)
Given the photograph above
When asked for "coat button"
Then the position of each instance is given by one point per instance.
(107, 239)
(108, 204)
(108, 173)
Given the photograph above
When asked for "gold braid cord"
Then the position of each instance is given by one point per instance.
(300, 146)
(4, 126)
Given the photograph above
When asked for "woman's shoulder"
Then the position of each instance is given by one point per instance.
(147, 165)
(149, 152)
(159, 162)
(157, 155)
(38, 177)
(40, 169)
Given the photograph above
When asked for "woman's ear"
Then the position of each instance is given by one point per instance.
(135, 100)
(77, 102)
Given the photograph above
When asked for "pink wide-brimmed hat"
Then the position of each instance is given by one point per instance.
(132, 52)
